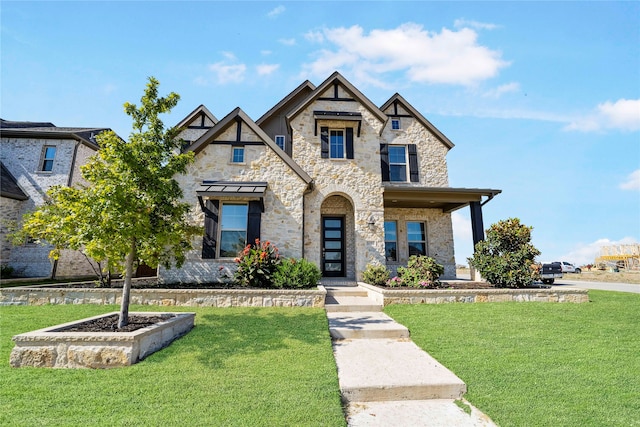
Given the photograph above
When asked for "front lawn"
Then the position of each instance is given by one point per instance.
(539, 364)
(238, 366)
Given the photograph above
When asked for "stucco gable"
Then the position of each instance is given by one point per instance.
(252, 133)
(201, 117)
(327, 91)
(398, 106)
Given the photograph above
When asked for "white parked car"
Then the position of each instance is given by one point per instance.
(568, 267)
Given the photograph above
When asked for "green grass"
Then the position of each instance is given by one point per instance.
(238, 366)
(539, 364)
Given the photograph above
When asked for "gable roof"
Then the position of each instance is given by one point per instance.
(234, 116)
(46, 130)
(337, 78)
(9, 185)
(201, 110)
(398, 99)
(305, 86)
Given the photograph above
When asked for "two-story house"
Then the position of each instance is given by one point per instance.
(325, 175)
(33, 158)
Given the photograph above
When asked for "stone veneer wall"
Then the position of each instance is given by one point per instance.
(281, 222)
(439, 237)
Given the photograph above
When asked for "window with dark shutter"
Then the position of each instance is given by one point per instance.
(210, 229)
(349, 142)
(253, 221)
(414, 174)
(324, 142)
(384, 161)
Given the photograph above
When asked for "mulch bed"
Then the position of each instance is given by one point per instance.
(110, 324)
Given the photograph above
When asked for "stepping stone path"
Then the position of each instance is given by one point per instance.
(385, 378)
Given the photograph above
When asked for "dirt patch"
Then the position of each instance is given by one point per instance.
(606, 276)
(110, 324)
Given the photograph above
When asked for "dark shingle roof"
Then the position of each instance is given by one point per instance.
(9, 186)
(10, 128)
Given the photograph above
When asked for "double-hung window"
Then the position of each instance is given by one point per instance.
(237, 155)
(336, 144)
(48, 155)
(398, 163)
(280, 141)
(391, 240)
(417, 238)
(233, 229)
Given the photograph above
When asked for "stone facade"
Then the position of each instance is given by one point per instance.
(352, 187)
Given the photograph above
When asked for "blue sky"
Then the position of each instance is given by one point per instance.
(542, 99)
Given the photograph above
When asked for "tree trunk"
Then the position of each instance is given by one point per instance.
(123, 320)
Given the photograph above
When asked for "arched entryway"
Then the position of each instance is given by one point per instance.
(337, 240)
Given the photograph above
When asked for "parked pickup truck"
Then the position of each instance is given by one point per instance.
(549, 272)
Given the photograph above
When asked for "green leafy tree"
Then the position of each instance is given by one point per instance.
(505, 257)
(131, 209)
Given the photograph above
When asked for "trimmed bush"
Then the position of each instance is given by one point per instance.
(296, 274)
(421, 272)
(376, 274)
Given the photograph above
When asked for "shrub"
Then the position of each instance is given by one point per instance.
(394, 282)
(256, 265)
(421, 272)
(376, 274)
(504, 258)
(5, 271)
(296, 274)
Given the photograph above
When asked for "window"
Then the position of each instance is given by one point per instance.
(233, 229)
(416, 238)
(336, 144)
(397, 163)
(280, 141)
(390, 241)
(395, 124)
(48, 154)
(237, 155)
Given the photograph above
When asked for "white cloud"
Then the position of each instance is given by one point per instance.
(632, 182)
(449, 57)
(624, 114)
(266, 69)
(501, 90)
(265, 52)
(277, 11)
(586, 253)
(314, 36)
(464, 23)
(288, 42)
(228, 73)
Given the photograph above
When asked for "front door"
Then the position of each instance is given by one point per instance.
(333, 246)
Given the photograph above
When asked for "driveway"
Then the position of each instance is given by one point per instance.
(602, 286)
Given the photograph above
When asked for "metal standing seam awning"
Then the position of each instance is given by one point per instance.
(448, 199)
(247, 190)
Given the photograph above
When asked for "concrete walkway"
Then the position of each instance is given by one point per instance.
(385, 379)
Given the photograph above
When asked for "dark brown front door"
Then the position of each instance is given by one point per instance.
(333, 246)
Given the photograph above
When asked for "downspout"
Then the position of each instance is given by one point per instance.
(306, 191)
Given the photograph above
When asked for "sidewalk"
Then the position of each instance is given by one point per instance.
(385, 379)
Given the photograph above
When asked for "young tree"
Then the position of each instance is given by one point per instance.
(504, 258)
(131, 210)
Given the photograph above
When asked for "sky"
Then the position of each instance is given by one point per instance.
(541, 99)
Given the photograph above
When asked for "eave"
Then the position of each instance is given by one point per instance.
(448, 199)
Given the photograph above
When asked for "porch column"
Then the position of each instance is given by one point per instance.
(477, 230)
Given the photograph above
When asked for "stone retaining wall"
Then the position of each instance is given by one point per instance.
(440, 296)
(166, 297)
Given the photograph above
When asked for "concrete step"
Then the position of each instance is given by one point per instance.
(373, 325)
(349, 303)
(379, 370)
(351, 291)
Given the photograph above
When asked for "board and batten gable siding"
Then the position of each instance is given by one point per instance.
(281, 221)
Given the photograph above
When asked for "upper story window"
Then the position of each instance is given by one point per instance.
(48, 155)
(336, 144)
(233, 229)
(395, 124)
(417, 238)
(391, 240)
(280, 141)
(398, 163)
(237, 155)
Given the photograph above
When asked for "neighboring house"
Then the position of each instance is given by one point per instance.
(324, 175)
(35, 157)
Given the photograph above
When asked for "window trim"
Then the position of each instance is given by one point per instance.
(44, 159)
(344, 148)
(405, 164)
(396, 120)
(424, 236)
(386, 240)
(284, 141)
(233, 155)
(221, 228)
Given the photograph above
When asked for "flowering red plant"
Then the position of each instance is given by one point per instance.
(256, 264)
